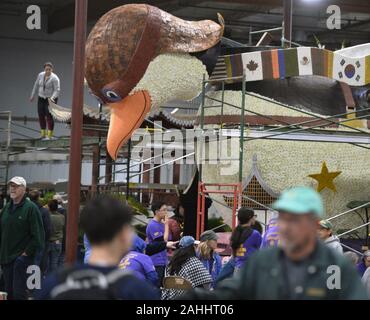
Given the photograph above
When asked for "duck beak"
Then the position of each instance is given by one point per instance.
(126, 116)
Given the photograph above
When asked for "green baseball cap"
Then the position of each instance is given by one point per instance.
(326, 224)
(300, 200)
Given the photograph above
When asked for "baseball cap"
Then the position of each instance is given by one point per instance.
(208, 235)
(326, 224)
(18, 181)
(300, 200)
(187, 241)
(57, 197)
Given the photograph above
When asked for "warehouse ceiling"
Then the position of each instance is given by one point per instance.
(241, 16)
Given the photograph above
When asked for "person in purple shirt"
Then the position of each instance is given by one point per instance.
(271, 235)
(158, 230)
(244, 240)
(364, 263)
(139, 263)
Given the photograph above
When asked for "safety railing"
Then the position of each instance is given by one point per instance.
(365, 224)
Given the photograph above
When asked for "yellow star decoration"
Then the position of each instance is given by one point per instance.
(325, 178)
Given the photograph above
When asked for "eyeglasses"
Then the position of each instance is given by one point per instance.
(13, 185)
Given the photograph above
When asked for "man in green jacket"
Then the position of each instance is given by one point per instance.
(21, 236)
(302, 268)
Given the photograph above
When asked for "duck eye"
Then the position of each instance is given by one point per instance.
(111, 95)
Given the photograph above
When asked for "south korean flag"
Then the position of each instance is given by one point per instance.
(349, 70)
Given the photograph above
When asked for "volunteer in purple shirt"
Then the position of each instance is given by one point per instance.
(244, 240)
(139, 263)
(158, 230)
(271, 236)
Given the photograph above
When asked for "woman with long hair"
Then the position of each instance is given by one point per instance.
(185, 264)
(207, 255)
(244, 239)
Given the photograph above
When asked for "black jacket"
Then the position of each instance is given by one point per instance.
(45, 216)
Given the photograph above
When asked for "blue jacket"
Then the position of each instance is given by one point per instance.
(361, 267)
(213, 265)
(227, 271)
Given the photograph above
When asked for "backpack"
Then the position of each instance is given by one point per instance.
(89, 284)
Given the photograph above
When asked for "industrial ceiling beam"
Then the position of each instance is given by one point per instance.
(63, 17)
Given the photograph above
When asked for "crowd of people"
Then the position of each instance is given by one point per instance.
(291, 259)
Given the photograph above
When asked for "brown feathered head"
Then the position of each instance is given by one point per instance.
(119, 50)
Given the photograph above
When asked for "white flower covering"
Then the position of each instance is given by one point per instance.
(284, 164)
(172, 76)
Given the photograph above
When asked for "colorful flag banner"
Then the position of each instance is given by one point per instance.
(302, 61)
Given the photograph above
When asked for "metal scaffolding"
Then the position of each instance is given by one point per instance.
(300, 131)
(236, 191)
(5, 149)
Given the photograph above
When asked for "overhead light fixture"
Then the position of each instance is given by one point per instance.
(174, 110)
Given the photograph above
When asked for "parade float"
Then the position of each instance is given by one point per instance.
(278, 117)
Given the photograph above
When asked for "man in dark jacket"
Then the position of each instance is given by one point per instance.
(302, 268)
(41, 256)
(21, 236)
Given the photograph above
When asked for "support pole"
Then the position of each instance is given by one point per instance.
(235, 204)
(287, 24)
(222, 104)
(145, 174)
(199, 209)
(157, 179)
(241, 139)
(367, 229)
(203, 217)
(238, 195)
(95, 169)
(108, 168)
(200, 138)
(76, 131)
(128, 170)
(98, 152)
(9, 129)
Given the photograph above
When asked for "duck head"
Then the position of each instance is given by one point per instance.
(129, 56)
